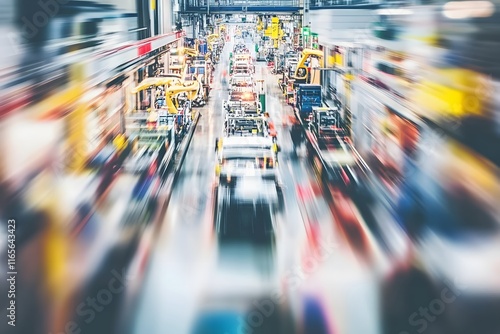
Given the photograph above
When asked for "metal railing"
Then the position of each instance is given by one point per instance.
(331, 3)
(243, 3)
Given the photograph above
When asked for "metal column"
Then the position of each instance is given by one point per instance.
(305, 15)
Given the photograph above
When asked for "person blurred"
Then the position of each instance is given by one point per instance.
(108, 173)
(224, 77)
(125, 152)
(162, 151)
(105, 180)
(297, 134)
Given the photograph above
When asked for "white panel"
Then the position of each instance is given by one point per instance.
(162, 41)
(27, 143)
(335, 25)
(126, 5)
(167, 16)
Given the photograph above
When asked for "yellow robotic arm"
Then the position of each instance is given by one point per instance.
(260, 24)
(301, 70)
(189, 87)
(212, 39)
(148, 82)
(190, 52)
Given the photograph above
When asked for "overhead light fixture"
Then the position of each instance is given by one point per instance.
(458, 10)
(394, 11)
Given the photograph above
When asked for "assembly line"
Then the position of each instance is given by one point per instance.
(250, 210)
(262, 167)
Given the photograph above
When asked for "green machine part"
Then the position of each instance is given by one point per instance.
(262, 99)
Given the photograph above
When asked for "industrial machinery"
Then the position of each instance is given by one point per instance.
(191, 90)
(157, 130)
(308, 68)
(245, 125)
(241, 84)
(326, 125)
(190, 52)
(243, 103)
(330, 149)
(200, 70)
(247, 158)
(307, 97)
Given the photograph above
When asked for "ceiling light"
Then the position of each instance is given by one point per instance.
(468, 9)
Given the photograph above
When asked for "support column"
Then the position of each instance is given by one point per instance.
(194, 23)
(347, 107)
(76, 126)
(152, 10)
(305, 15)
(262, 95)
(152, 98)
(166, 63)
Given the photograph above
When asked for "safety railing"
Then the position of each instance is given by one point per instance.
(332, 3)
(244, 3)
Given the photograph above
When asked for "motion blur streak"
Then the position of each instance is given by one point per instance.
(178, 167)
